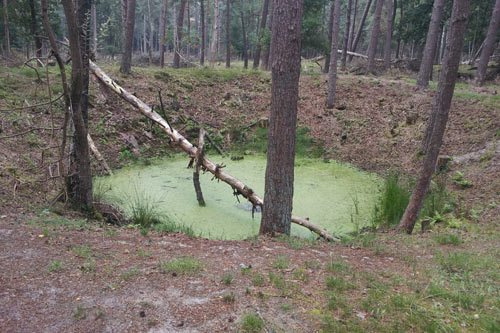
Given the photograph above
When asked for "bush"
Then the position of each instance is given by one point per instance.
(393, 201)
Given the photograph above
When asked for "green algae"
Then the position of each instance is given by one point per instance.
(336, 196)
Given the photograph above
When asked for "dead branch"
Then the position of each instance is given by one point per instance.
(98, 155)
(196, 173)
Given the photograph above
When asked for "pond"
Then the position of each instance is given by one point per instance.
(336, 196)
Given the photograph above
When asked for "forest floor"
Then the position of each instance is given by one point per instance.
(62, 272)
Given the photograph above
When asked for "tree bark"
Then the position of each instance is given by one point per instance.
(440, 112)
(163, 33)
(245, 43)
(267, 51)
(256, 59)
(360, 28)
(215, 29)
(80, 182)
(198, 162)
(6, 28)
(151, 32)
(228, 33)
(346, 34)
(332, 75)
(489, 44)
(372, 48)
(210, 166)
(286, 41)
(203, 33)
(388, 34)
(353, 25)
(94, 30)
(34, 31)
(326, 69)
(424, 73)
(398, 47)
(178, 38)
(128, 41)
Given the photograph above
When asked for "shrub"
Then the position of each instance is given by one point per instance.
(252, 323)
(393, 201)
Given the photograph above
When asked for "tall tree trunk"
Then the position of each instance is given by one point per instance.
(489, 44)
(219, 34)
(398, 48)
(94, 29)
(203, 33)
(286, 41)
(188, 9)
(360, 28)
(267, 50)
(128, 41)
(80, 180)
(6, 28)
(245, 43)
(439, 114)
(178, 38)
(151, 33)
(144, 35)
(34, 30)
(215, 29)
(424, 74)
(163, 33)
(326, 69)
(353, 25)
(332, 76)
(372, 48)
(228, 33)
(438, 47)
(388, 34)
(346, 33)
(256, 59)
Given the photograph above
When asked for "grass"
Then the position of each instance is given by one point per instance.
(448, 239)
(282, 262)
(130, 273)
(145, 211)
(56, 266)
(252, 323)
(79, 313)
(259, 280)
(170, 226)
(393, 201)
(229, 298)
(227, 279)
(189, 266)
(456, 262)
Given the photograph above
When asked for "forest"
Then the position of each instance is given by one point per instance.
(250, 166)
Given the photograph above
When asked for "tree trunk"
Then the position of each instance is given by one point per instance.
(80, 179)
(388, 34)
(178, 38)
(256, 59)
(438, 48)
(215, 29)
(372, 48)
(94, 30)
(439, 114)
(128, 41)
(151, 32)
(228, 34)
(286, 41)
(489, 44)
(34, 31)
(203, 33)
(326, 69)
(144, 35)
(210, 166)
(267, 50)
(198, 162)
(360, 28)
(424, 73)
(398, 48)
(188, 9)
(346, 33)
(219, 34)
(163, 33)
(6, 28)
(332, 76)
(245, 43)
(353, 25)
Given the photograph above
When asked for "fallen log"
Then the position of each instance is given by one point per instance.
(238, 187)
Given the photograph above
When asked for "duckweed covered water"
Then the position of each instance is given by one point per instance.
(335, 196)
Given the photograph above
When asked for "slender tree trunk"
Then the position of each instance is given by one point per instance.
(388, 34)
(353, 25)
(256, 59)
(219, 34)
(326, 69)
(286, 41)
(245, 43)
(163, 33)
(332, 75)
(438, 47)
(94, 29)
(439, 114)
(228, 33)
(360, 28)
(346, 33)
(215, 29)
(144, 35)
(188, 9)
(372, 48)
(151, 33)
(424, 74)
(489, 44)
(267, 50)
(128, 41)
(34, 31)
(180, 24)
(203, 33)
(80, 180)
(398, 48)
(6, 28)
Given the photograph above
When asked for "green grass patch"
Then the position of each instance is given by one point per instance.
(252, 323)
(282, 262)
(393, 201)
(56, 266)
(448, 239)
(189, 266)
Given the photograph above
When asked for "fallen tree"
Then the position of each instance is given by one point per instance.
(239, 188)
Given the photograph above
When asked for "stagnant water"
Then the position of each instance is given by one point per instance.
(336, 196)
